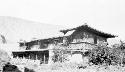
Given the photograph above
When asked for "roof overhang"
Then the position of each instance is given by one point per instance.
(90, 29)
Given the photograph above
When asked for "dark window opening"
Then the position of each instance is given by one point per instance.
(95, 40)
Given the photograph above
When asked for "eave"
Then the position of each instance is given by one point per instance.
(90, 29)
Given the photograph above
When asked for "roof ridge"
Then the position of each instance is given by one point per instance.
(85, 25)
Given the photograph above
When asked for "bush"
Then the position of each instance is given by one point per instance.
(103, 54)
(60, 54)
(100, 55)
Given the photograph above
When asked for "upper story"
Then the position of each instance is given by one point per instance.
(81, 34)
(86, 33)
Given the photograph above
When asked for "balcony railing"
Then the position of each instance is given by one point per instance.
(81, 45)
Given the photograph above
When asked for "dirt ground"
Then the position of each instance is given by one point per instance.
(74, 68)
(89, 69)
(70, 67)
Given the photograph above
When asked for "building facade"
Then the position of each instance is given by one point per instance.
(76, 40)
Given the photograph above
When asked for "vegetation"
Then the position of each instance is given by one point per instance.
(60, 54)
(113, 57)
(102, 54)
(109, 56)
(4, 58)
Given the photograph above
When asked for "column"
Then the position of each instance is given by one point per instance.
(44, 58)
(50, 61)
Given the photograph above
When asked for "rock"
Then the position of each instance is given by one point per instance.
(28, 70)
(10, 68)
(4, 58)
(82, 67)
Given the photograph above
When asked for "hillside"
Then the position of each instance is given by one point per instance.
(15, 29)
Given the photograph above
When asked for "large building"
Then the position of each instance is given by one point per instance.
(76, 40)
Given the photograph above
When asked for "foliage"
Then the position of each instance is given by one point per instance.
(103, 54)
(100, 55)
(119, 53)
(60, 54)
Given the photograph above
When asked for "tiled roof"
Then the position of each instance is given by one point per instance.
(90, 29)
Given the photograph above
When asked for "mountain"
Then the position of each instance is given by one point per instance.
(16, 29)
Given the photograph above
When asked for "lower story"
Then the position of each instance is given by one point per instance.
(45, 56)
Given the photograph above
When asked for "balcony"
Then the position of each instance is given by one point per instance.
(81, 46)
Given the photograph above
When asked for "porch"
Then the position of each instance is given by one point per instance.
(41, 55)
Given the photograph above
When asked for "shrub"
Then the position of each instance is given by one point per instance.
(103, 54)
(60, 54)
(100, 55)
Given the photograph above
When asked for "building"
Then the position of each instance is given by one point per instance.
(76, 40)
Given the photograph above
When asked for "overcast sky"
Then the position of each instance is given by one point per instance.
(105, 15)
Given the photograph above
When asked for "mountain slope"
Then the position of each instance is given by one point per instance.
(15, 29)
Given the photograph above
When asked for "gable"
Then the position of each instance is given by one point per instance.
(85, 36)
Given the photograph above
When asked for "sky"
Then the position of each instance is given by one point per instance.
(104, 15)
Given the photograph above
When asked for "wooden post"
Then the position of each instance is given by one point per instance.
(58, 57)
(62, 56)
(71, 52)
(44, 59)
(36, 57)
(29, 56)
(23, 56)
(121, 59)
(39, 44)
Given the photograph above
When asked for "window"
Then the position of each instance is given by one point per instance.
(95, 40)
